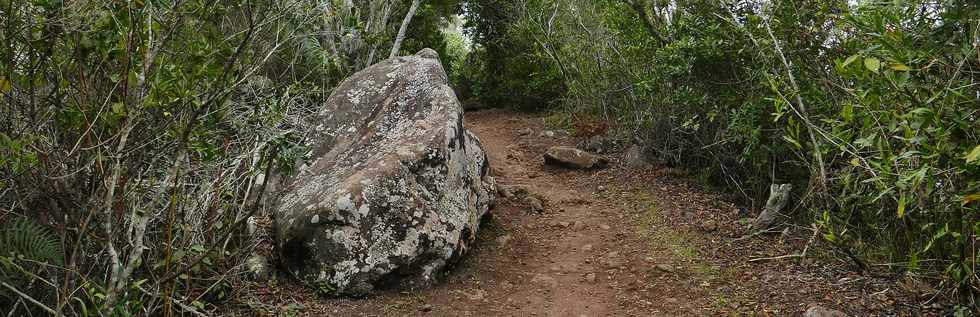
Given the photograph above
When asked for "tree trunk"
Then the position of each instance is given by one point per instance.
(328, 34)
(803, 112)
(640, 6)
(401, 31)
(384, 26)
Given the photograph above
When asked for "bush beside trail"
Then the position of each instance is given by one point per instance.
(868, 108)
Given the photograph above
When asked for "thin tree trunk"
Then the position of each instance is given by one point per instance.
(804, 113)
(363, 46)
(401, 31)
(384, 26)
(640, 6)
(329, 33)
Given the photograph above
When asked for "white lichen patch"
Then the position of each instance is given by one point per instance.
(344, 202)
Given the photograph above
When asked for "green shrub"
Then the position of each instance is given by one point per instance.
(870, 109)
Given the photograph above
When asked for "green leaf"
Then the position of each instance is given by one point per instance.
(4, 85)
(792, 141)
(866, 141)
(974, 155)
(921, 111)
(872, 64)
(936, 236)
(971, 198)
(29, 240)
(900, 67)
(830, 237)
(902, 79)
(901, 206)
(847, 113)
(850, 60)
(198, 248)
(178, 255)
(119, 108)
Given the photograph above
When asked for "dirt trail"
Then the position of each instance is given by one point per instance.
(609, 243)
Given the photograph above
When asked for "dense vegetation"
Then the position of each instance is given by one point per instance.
(870, 108)
(135, 136)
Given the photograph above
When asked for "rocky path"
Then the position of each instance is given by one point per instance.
(612, 242)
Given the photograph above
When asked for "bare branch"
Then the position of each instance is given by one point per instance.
(404, 28)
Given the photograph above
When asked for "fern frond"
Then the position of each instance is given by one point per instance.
(25, 239)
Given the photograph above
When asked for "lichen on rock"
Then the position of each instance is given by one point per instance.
(396, 187)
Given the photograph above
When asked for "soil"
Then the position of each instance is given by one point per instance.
(613, 242)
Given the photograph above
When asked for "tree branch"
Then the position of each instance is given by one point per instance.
(404, 28)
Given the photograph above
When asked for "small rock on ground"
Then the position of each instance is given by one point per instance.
(554, 133)
(613, 260)
(570, 157)
(664, 268)
(258, 267)
(544, 280)
(820, 311)
(518, 191)
(534, 203)
(597, 144)
(503, 240)
(636, 158)
(590, 277)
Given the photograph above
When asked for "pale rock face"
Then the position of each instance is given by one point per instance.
(636, 158)
(778, 198)
(396, 187)
(573, 158)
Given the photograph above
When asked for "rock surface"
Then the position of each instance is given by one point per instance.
(636, 158)
(597, 144)
(554, 134)
(778, 197)
(534, 203)
(573, 158)
(396, 186)
(820, 311)
(258, 267)
(514, 191)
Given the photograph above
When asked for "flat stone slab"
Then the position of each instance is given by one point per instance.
(570, 157)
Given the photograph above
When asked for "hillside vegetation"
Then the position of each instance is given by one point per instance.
(136, 137)
(869, 108)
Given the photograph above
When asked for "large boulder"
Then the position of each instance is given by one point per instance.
(396, 187)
